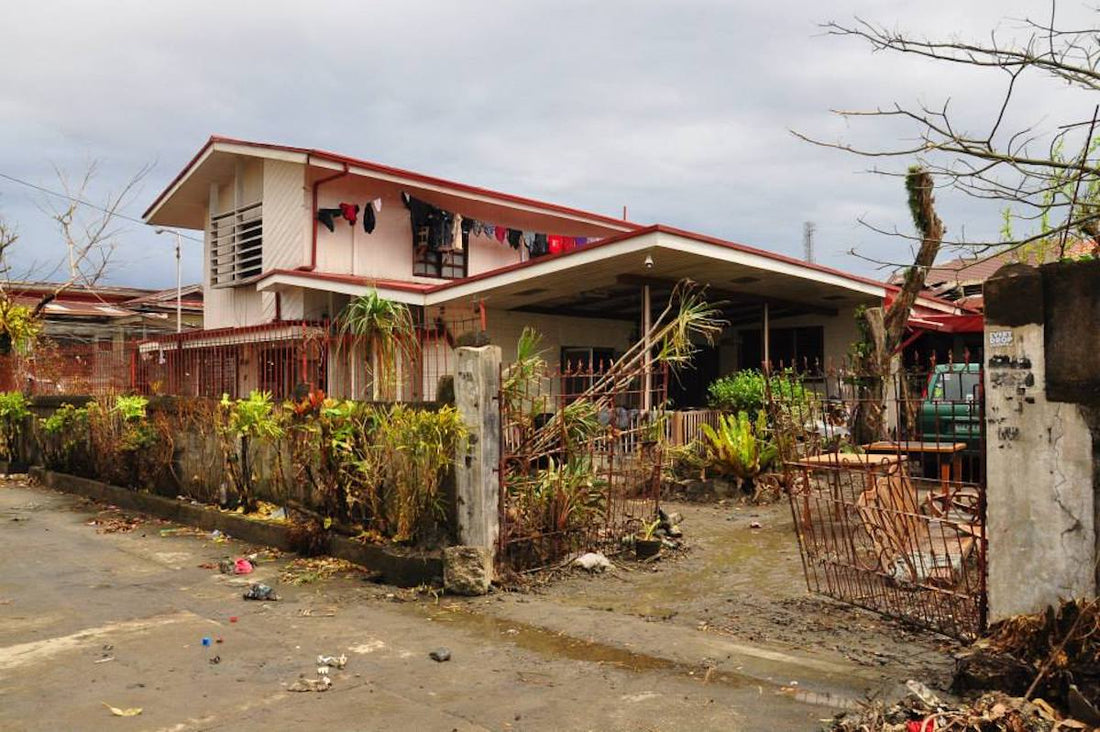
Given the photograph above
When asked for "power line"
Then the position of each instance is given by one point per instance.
(82, 202)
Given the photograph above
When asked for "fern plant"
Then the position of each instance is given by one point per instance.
(740, 447)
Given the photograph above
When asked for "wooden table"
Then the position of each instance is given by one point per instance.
(949, 471)
(850, 460)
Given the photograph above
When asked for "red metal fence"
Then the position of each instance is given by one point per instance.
(283, 358)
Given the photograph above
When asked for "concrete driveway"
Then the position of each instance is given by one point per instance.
(91, 619)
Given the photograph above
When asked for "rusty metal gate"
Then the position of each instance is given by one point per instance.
(886, 479)
(581, 458)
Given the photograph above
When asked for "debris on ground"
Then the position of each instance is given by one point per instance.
(182, 531)
(440, 655)
(991, 711)
(306, 570)
(127, 712)
(242, 566)
(322, 683)
(337, 662)
(755, 525)
(467, 570)
(215, 660)
(1054, 655)
(115, 525)
(260, 592)
(593, 562)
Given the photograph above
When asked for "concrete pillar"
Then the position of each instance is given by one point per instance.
(477, 487)
(1039, 472)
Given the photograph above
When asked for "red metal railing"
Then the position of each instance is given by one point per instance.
(284, 358)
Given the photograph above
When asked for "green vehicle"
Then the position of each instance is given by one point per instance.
(951, 410)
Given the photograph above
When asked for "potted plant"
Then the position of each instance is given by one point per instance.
(646, 543)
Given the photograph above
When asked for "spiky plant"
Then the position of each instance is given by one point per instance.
(389, 331)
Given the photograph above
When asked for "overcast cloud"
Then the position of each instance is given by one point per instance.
(678, 110)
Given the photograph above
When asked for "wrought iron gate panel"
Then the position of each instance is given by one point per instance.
(889, 514)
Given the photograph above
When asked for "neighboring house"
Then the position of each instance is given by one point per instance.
(279, 252)
(961, 280)
(107, 314)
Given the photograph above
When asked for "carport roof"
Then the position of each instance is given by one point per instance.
(603, 279)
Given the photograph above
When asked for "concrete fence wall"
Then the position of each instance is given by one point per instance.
(1042, 359)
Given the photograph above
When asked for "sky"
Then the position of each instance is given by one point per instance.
(679, 110)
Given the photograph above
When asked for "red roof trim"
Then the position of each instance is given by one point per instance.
(390, 170)
(350, 280)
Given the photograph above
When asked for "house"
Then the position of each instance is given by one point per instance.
(101, 314)
(293, 234)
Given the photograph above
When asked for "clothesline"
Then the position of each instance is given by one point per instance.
(440, 230)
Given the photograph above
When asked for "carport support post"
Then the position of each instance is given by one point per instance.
(477, 458)
(647, 315)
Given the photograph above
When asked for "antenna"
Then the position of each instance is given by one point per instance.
(808, 229)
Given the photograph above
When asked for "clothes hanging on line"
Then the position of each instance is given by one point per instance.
(538, 248)
(554, 244)
(327, 217)
(350, 212)
(500, 233)
(515, 238)
(368, 218)
(431, 226)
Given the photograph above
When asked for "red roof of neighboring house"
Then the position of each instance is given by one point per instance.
(955, 273)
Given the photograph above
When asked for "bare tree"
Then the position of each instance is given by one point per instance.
(1047, 181)
(89, 231)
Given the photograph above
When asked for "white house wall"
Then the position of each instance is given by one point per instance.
(386, 253)
(505, 327)
(286, 215)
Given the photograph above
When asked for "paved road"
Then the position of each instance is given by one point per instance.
(70, 598)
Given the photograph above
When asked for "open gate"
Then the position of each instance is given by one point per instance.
(886, 479)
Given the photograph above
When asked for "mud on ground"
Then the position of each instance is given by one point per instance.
(747, 584)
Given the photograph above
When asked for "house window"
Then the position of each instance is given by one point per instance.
(236, 245)
(446, 265)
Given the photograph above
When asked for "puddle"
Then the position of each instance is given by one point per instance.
(548, 643)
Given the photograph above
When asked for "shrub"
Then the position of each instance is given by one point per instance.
(747, 391)
(743, 391)
(64, 440)
(239, 423)
(13, 418)
(126, 447)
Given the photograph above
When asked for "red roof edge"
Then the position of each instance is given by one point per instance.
(351, 280)
(380, 168)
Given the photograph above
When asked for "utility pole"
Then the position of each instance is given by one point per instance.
(179, 287)
(808, 229)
